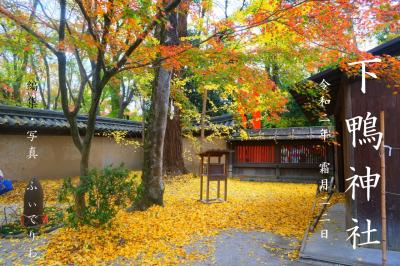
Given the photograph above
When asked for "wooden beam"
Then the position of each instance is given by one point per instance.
(383, 190)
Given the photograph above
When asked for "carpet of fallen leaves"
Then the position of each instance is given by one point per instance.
(160, 235)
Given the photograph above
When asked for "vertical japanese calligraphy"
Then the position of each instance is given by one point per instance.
(32, 90)
(33, 198)
(367, 127)
(325, 187)
(324, 100)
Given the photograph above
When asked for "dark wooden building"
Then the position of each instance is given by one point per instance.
(347, 101)
(281, 154)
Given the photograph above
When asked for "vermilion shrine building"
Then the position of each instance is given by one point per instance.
(281, 154)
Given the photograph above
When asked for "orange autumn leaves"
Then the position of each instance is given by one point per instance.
(260, 96)
(159, 235)
(388, 69)
(325, 28)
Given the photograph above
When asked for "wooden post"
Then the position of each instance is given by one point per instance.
(208, 179)
(383, 190)
(226, 176)
(201, 177)
(218, 185)
(218, 189)
(230, 161)
(277, 160)
(226, 189)
(208, 191)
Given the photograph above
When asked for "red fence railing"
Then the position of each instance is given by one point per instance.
(255, 154)
(289, 154)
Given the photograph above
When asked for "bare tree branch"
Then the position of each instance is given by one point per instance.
(82, 69)
(226, 8)
(243, 5)
(53, 24)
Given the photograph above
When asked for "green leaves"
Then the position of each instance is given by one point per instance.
(106, 192)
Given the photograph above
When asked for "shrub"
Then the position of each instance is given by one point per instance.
(105, 191)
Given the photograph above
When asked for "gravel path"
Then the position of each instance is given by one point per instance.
(17, 251)
(236, 248)
(230, 248)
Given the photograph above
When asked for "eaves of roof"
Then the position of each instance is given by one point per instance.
(291, 133)
(333, 75)
(19, 119)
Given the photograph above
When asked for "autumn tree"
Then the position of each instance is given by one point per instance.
(106, 38)
(96, 31)
(173, 162)
(152, 186)
(20, 60)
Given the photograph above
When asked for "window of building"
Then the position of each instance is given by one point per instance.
(306, 154)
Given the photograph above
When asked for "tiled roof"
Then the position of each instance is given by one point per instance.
(299, 133)
(20, 119)
(290, 133)
(223, 120)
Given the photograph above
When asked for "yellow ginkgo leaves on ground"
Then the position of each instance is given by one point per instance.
(160, 235)
(50, 189)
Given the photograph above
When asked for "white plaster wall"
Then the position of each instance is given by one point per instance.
(191, 149)
(58, 157)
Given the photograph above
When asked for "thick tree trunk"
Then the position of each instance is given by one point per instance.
(152, 186)
(173, 148)
(152, 176)
(80, 203)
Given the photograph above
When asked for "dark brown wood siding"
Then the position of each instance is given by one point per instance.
(378, 97)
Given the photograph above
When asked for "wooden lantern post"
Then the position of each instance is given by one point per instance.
(215, 172)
